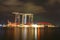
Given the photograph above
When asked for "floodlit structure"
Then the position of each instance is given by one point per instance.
(26, 20)
(23, 18)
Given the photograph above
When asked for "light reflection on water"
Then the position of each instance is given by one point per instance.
(17, 33)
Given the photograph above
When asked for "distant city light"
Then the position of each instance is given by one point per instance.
(1, 25)
(34, 25)
(26, 25)
(27, 21)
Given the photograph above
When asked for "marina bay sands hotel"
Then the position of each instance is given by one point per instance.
(27, 19)
(23, 18)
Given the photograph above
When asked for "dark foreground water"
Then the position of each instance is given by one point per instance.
(12, 33)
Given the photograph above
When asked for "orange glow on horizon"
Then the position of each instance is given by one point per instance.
(42, 24)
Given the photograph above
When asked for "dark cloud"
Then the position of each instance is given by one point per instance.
(30, 7)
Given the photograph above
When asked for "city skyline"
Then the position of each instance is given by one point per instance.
(43, 10)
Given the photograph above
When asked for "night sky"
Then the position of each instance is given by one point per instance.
(43, 10)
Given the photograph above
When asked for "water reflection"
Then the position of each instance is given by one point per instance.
(29, 33)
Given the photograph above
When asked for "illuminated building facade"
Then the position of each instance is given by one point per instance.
(23, 18)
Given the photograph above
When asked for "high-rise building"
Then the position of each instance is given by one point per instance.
(23, 18)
